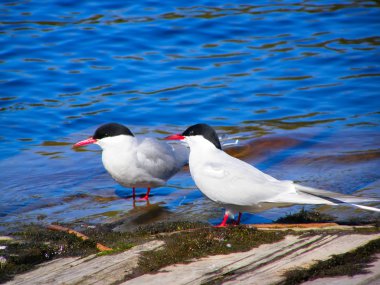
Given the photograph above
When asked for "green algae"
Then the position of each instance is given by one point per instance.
(359, 221)
(120, 248)
(171, 227)
(121, 241)
(350, 263)
(185, 246)
(35, 245)
(304, 216)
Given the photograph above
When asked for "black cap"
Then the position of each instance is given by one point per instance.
(111, 130)
(204, 130)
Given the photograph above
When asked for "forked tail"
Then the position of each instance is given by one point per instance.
(338, 198)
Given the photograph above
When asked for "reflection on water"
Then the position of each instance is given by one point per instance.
(296, 82)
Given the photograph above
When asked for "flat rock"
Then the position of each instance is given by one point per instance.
(107, 269)
(6, 238)
(370, 278)
(263, 265)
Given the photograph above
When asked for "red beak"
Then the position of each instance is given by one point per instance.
(90, 140)
(176, 137)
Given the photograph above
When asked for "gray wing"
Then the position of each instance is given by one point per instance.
(157, 158)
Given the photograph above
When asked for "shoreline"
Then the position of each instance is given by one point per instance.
(220, 256)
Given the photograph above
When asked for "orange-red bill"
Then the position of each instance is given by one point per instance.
(176, 137)
(85, 142)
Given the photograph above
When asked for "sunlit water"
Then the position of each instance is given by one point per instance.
(297, 82)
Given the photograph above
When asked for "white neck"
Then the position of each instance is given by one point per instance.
(117, 151)
(118, 155)
(200, 148)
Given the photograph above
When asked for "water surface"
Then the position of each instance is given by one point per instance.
(296, 82)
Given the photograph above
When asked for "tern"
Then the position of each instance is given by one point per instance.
(136, 162)
(239, 187)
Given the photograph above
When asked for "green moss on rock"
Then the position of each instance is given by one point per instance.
(350, 263)
(182, 247)
(35, 245)
(304, 217)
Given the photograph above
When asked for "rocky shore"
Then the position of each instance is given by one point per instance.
(190, 253)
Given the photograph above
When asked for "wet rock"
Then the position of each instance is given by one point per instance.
(107, 269)
(5, 238)
(194, 253)
(263, 265)
(372, 277)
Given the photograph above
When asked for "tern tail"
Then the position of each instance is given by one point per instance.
(338, 198)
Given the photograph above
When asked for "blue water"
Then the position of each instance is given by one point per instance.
(306, 70)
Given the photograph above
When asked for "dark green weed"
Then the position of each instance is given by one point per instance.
(350, 263)
(35, 245)
(305, 216)
(185, 246)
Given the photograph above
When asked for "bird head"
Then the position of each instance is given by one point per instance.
(198, 131)
(106, 134)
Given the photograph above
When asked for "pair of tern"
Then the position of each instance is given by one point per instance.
(233, 184)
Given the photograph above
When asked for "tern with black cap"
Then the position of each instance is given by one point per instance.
(239, 187)
(136, 162)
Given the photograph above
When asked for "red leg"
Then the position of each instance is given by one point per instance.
(146, 197)
(224, 222)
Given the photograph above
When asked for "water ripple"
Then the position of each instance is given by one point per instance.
(251, 70)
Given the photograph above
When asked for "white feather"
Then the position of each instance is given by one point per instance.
(239, 186)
